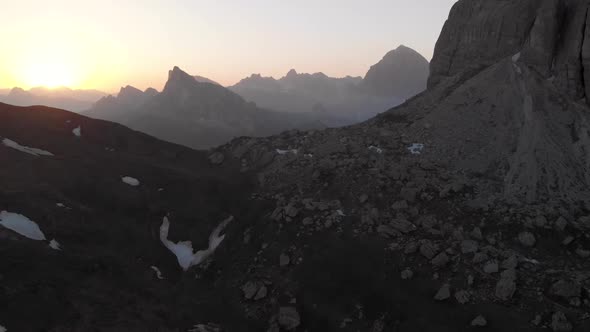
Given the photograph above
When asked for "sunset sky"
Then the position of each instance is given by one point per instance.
(104, 44)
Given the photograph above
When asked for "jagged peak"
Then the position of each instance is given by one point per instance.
(292, 73)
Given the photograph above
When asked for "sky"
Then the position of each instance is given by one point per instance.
(105, 44)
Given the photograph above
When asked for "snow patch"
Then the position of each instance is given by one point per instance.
(184, 249)
(77, 131)
(3, 329)
(340, 213)
(158, 272)
(130, 181)
(416, 148)
(53, 244)
(34, 151)
(22, 225)
(516, 57)
(283, 152)
(375, 149)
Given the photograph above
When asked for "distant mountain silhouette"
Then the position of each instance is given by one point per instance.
(64, 98)
(402, 72)
(194, 113)
(205, 80)
(341, 101)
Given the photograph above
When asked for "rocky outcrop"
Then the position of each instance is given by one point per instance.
(550, 36)
(478, 33)
(402, 72)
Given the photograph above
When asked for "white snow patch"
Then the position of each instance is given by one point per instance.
(184, 249)
(22, 225)
(130, 181)
(282, 152)
(53, 244)
(61, 205)
(158, 272)
(3, 329)
(516, 57)
(416, 148)
(375, 149)
(77, 131)
(340, 213)
(25, 149)
(308, 155)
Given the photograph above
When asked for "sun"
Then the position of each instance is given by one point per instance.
(49, 74)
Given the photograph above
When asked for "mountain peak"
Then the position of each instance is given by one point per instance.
(292, 73)
(178, 74)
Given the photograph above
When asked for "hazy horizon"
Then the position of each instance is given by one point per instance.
(104, 45)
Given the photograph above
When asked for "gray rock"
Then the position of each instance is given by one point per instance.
(491, 267)
(261, 293)
(566, 289)
(217, 158)
(363, 198)
(479, 321)
(560, 323)
(480, 257)
(443, 293)
(250, 289)
(400, 205)
(284, 260)
(403, 226)
(527, 239)
(411, 247)
(388, 231)
(462, 297)
(289, 318)
(506, 286)
(407, 274)
(440, 260)
(469, 246)
(409, 194)
(428, 249)
(510, 263)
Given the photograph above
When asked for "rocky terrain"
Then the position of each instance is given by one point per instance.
(466, 208)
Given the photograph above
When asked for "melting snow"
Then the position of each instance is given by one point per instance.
(375, 149)
(516, 57)
(184, 249)
(158, 272)
(130, 181)
(77, 131)
(282, 152)
(22, 225)
(25, 149)
(53, 244)
(416, 148)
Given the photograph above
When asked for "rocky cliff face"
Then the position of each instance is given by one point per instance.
(552, 36)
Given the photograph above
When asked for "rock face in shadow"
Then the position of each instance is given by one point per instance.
(551, 36)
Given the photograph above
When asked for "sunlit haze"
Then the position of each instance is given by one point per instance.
(106, 44)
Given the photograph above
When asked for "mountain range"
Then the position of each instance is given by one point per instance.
(194, 113)
(64, 98)
(401, 74)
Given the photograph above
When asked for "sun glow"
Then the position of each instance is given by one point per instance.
(50, 74)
